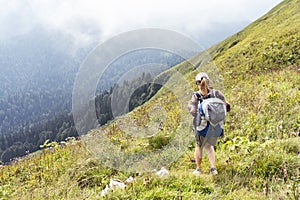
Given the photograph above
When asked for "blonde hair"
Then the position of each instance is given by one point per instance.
(204, 86)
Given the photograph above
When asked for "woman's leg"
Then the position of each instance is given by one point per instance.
(198, 156)
(210, 151)
(212, 158)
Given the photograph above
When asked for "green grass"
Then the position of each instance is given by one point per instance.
(257, 159)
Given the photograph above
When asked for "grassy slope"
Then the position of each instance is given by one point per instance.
(257, 159)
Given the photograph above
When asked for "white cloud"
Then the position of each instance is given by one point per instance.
(114, 16)
(16, 17)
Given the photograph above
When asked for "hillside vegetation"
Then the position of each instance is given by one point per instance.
(259, 157)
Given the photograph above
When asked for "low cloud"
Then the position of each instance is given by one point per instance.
(87, 18)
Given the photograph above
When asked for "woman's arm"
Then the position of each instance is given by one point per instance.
(219, 95)
(193, 105)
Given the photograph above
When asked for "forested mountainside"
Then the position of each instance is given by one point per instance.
(37, 77)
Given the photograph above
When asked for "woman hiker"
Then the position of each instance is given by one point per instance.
(204, 138)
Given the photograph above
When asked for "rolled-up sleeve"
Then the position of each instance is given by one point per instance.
(192, 105)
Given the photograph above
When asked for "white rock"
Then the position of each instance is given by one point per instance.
(104, 191)
(114, 184)
(130, 180)
(162, 172)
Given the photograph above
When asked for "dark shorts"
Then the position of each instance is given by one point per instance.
(199, 139)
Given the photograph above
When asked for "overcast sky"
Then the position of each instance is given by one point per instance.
(82, 18)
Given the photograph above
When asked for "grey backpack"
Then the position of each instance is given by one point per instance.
(212, 109)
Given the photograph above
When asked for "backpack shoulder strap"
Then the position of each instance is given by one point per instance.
(213, 93)
(199, 96)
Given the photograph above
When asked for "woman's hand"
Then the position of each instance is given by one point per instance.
(228, 107)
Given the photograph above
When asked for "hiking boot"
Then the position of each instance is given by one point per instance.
(197, 171)
(213, 171)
